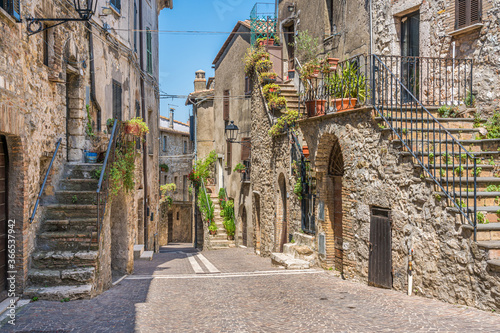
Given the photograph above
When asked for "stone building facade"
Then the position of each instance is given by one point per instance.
(52, 84)
(361, 172)
(176, 151)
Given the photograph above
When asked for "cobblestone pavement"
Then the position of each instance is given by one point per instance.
(248, 295)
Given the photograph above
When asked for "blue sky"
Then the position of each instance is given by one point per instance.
(182, 54)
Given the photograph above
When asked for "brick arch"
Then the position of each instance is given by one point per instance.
(323, 158)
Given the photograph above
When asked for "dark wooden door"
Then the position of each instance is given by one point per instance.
(3, 217)
(380, 261)
(244, 226)
(170, 221)
(410, 51)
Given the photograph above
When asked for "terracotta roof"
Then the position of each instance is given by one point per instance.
(175, 121)
(168, 129)
(245, 24)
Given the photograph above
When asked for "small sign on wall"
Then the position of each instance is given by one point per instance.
(321, 210)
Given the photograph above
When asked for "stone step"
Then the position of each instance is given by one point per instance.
(436, 145)
(494, 264)
(78, 185)
(488, 212)
(146, 255)
(76, 197)
(483, 198)
(74, 224)
(486, 232)
(59, 293)
(458, 134)
(81, 170)
(288, 261)
(482, 183)
(417, 121)
(433, 110)
(62, 212)
(493, 248)
(138, 250)
(482, 170)
(54, 277)
(66, 241)
(218, 236)
(63, 259)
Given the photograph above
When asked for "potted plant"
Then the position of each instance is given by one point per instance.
(136, 126)
(271, 89)
(316, 107)
(239, 168)
(268, 77)
(263, 65)
(276, 40)
(332, 62)
(305, 151)
(164, 167)
(212, 228)
(276, 103)
(347, 87)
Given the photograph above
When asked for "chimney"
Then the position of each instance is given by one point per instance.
(171, 118)
(200, 82)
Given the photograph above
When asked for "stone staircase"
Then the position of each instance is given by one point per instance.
(289, 91)
(219, 240)
(65, 260)
(488, 180)
(299, 254)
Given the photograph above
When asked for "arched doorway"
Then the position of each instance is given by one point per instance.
(281, 217)
(3, 216)
(336, 172)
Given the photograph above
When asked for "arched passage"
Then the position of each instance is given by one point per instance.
(256, 216)
(336, 172)
(281, 216)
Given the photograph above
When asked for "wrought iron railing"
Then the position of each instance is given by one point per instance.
(102, 192)
(32, 217)
(451, 166)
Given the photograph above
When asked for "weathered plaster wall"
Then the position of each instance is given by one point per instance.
(447, 264)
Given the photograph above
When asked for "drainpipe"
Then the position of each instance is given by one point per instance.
(93, 97)
(145, 143)
(371, 27)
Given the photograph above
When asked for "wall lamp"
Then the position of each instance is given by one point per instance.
(84, 8)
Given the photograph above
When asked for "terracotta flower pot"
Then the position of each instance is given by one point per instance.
(230, 237)
(133, 129)
(333, 63)
(305, 151)
(315, 108)
(344, 104)
(213, 232)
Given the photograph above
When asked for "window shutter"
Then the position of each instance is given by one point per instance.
(475, 11)
(226, 105)
(245, 149)
(16, 9)
(229, 154)
(149, 53)
(117, 100)
(467, 12)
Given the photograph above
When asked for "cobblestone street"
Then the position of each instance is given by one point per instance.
(237, 291)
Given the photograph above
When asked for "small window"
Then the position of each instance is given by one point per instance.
(117, 100)
(226, 105)
(149, 51)
(175, 180)
(467, 12)
(164, 143)
(116, 4)
(13, 7)
(185, 147)
(248, 86)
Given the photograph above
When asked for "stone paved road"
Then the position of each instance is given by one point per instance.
(248, 295)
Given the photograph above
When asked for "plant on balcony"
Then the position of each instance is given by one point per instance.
(263, 65)
(310, 70)
(306, 46)
(164, 167)
(239, 168)
(136, 126)
(276, 103)
(271, 89)
(288, 119)
(268, 77)
(347, 86)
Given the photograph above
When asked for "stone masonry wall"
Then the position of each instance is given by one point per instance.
(447, 264)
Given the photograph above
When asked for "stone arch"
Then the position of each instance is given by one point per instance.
(281, 225)
(330, 165)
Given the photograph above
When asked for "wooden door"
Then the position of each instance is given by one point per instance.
(170, 221)
(276, 56)
(380, 260)
(3, 217)
(410, 51)
(244, 226)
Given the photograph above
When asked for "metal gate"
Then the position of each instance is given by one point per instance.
(380, 262)
(3, 218)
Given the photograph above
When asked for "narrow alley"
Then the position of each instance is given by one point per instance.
(234, 290)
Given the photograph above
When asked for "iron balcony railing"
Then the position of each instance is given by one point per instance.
(245, 175)
(451, 166)
(32, 217)
(102, 193)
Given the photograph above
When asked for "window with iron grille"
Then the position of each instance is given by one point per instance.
(117, 100)
(467, 12)
(149, 52)
(226, 105)
(116, 4)
(13, 7)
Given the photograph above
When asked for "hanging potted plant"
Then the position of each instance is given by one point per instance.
(239, 168)
(271, 89)
(136, 126)
(268, 77)
(109, 124)
(164, 167)
(276, 103)
(263, 65)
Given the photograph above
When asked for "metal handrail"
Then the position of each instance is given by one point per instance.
(403, 119)
(45, 181)
(111, 146)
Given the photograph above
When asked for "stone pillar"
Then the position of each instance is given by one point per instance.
(76, 112)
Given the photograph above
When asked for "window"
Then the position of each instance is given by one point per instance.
(116, 5)
(467, 12)
(226, 105)
(13, 7)
(164, 143)
(135, 26)
(245, 149)
(137, 114)
(165, 180)
(175, 181)
(228, 154)
(149, 52)
(248, 86)
(185, 147)
(117, 100)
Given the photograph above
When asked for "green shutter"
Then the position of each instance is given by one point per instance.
(149, 51)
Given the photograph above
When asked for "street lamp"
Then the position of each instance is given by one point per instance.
(84, 8)
(231, 131)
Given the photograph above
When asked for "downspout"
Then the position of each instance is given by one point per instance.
(145, 143)
(93, 97)
(371, 27)
(195, 114)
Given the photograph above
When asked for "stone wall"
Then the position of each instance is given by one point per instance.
(447, 264)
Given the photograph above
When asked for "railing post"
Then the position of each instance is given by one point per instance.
(372, 61)
(475, 199)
